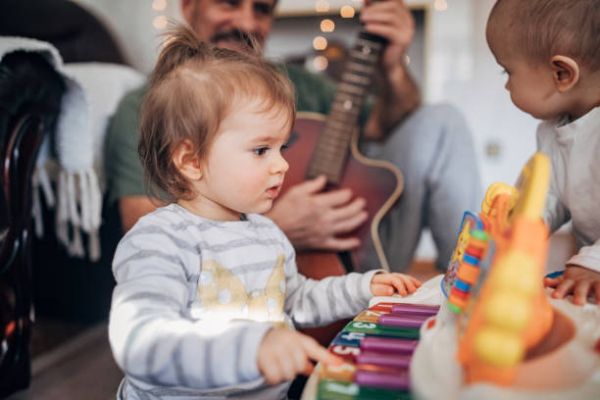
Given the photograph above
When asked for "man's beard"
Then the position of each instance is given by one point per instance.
(246, 41)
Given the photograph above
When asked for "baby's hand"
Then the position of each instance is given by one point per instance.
(577, 280)
(386, 284)
(284, 353)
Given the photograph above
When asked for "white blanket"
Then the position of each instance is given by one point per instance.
(93, 91)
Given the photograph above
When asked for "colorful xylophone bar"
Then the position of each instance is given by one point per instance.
(377, 347)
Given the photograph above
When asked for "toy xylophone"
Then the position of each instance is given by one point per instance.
(377, 348)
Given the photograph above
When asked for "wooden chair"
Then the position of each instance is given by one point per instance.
(30, 94)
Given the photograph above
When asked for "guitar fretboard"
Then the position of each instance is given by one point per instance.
(333, 144)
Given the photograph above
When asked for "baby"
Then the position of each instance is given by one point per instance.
(208, 293)
(550, 51)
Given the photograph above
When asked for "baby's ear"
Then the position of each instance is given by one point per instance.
(187, 162)
(565, 72)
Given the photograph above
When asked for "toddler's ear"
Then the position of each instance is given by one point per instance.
(187, 162)
(565, 72)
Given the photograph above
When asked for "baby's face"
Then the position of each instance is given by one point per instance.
(529, 82)
(245, 168)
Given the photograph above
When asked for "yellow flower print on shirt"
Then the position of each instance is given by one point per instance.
(224, 296)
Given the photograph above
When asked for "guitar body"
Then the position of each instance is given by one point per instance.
(378, 182)
(328, 146)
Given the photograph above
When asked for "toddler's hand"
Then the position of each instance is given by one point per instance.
(386, 284)
(284, 353)
(579, 281)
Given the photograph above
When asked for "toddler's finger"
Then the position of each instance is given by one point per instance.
(581, 291)
(299, 359)
(272, 374)
(552, 282)
(408, 284)
(287, 370)
(380, 289)
(308, 368)
(416, 282)
(381, 278)
(563, 288)
(315, 352)
(400, 287)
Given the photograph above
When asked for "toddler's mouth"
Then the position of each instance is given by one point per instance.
(273, 191)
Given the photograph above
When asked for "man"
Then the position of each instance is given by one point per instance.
(430, 145)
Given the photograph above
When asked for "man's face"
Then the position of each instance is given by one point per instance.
(230, 23)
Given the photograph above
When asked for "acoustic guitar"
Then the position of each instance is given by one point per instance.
(329, 146)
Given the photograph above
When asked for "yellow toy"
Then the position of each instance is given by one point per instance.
(506, 311)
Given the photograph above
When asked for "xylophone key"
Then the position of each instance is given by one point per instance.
(332, 390)
(348, 353)
(335, 390)
(396, 381)
(419, 309)
(368, 328)
(387, 345)
(346, 338)
(369, 316)
(402, 321)
(382, 306)
(397, 361)
(344, 372)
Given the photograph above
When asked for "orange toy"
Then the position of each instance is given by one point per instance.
(507, 312)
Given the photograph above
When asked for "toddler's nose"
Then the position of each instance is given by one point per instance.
(280, 165)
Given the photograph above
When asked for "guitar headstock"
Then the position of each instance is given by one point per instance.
(331, 153)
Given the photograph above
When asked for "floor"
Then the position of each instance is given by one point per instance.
(79, 367)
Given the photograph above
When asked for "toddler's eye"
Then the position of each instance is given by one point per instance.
(284, 147)
(259, 151)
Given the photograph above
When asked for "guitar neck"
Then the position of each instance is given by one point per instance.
(333, 144)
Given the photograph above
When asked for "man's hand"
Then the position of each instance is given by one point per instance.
(577, 280)
(398, 93)
(314, 219)
(284, 353)
(392, 20)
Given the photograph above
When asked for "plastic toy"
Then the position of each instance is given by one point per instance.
(500, 325)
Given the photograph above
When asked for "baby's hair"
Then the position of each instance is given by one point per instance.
(192, 88)
(541, 29)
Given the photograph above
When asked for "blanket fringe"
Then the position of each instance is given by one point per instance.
(77, 206)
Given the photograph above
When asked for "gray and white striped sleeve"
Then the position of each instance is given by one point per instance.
(312, 303)
(151, 336)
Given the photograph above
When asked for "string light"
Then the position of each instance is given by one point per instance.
(320, 63)
(440, 5)
(347, 11)
(160, 22)
(159, 5)
(319, 43)
(322, 6)
(327, 25)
